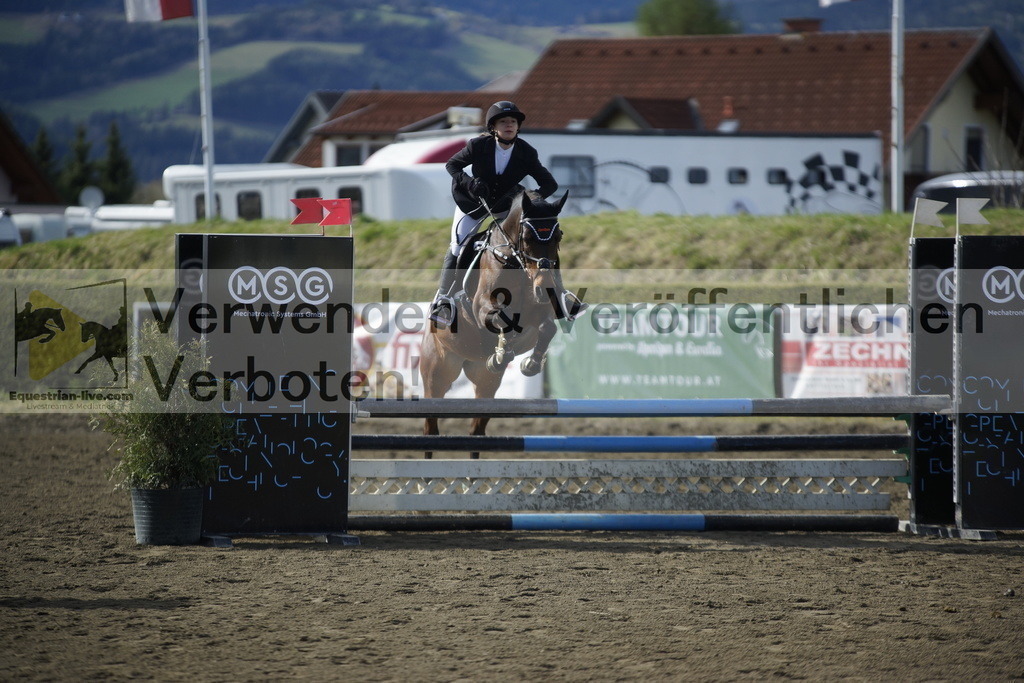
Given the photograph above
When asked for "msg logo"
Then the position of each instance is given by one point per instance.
(1001, 284)
(280, 285)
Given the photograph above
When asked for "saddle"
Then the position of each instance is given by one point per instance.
(469, 261)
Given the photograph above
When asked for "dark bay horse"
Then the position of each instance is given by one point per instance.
(510, 305)
(111, 342)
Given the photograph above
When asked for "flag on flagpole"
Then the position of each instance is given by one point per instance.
(157, 10)
(968, 211)
(926, 212)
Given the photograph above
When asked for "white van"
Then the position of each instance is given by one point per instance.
(1005, 189)
(9, 234)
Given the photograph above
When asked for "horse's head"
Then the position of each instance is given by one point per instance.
(88, 331)
(58, 318)
(535, 222)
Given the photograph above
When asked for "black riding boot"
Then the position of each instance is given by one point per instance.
(442, 310)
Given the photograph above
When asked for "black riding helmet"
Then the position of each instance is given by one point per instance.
(504, 108)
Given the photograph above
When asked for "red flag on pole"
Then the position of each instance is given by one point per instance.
(339, 211)
(310, 211)
(157, 10)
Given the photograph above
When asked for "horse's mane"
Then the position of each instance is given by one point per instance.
(515, 214)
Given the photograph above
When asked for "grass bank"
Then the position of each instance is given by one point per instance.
(618, 256)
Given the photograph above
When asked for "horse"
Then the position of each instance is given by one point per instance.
(509, 308)
(29, 324)
(110, 343)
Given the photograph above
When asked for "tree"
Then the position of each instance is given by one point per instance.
(685, 17)
(42, 150)
(116, 176)
(79, 171)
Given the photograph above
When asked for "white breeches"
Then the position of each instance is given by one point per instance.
(463, 227)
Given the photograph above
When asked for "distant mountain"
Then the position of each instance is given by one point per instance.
(72, 62)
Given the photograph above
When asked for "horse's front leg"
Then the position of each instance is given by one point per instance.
(89, 360)
(533, 363)
(502, 355)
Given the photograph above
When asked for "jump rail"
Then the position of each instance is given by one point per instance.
(880, 406)
(582, 521)
(632, 444)
(630, 485)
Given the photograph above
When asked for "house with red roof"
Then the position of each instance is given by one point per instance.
(363, 121)
(22, 181)
(963, 94)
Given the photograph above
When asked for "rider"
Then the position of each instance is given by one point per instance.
(499, 160)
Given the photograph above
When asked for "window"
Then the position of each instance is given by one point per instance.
(201, 205)
(697, 175)
(575, 174)
(737, 176)
(974, 147)
(349, 155)
(777, 176)
(250, 205)
(659, 174)
(354, 193)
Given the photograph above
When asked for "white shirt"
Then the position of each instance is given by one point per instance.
(501, 157)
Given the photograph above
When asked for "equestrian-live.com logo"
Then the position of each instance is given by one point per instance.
(59, 334)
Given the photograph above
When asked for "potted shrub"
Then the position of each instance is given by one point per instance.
(167, 438)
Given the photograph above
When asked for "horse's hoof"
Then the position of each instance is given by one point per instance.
(531, 367)
(499, 361)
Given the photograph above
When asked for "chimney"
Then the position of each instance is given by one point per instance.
(801, 25)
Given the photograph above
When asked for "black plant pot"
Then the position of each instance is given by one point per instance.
(168, 516)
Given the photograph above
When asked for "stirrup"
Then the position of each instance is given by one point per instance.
(442, 311)
(572, 306)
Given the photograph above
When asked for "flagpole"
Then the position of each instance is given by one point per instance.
(205, 109)
(896, 133)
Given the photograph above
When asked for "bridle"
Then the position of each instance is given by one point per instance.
(516, 247)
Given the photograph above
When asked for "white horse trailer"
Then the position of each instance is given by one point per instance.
(253, 191)
(680, 173)
(648, 172)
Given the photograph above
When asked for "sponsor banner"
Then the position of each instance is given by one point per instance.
(989, 382)
(274, 313)
(386, 349)
(932, 297)
(664, 350)
(839, 350)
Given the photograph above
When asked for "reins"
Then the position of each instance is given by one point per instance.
(517, 249)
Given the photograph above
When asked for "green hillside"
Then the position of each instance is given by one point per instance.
(173, 88)
(78, 62)
(621, 256)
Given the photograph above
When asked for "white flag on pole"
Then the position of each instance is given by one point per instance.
(926, 212)
(968, 211)
(157, 10)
